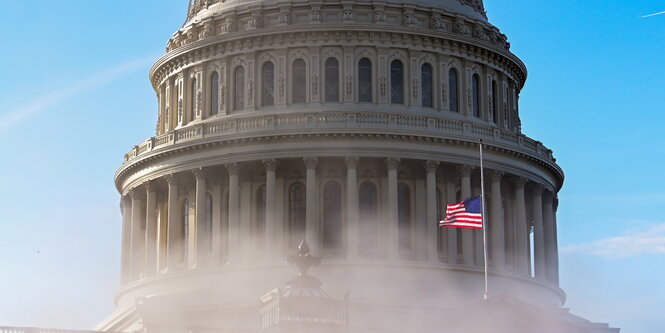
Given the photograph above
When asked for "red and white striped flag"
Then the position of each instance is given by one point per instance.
(466, 214)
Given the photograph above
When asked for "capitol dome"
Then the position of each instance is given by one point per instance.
(348, 124)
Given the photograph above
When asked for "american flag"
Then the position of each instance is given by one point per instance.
(466, 214)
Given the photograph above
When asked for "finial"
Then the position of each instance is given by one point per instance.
(303, 260)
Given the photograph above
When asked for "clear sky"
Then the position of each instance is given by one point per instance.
(75, 97)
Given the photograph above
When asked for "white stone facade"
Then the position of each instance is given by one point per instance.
(349, 124)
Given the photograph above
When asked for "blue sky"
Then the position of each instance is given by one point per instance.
(75, 96)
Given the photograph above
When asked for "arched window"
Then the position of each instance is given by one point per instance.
(368, 202)
(365, 80)
(475, 97)
(495, 104)
(332, 80)
(192, 100)
(299, 82)
(453, 90)
(185, 230)
(404, 224)
(239, 86)
(396, 82)
(268, 84)
(332, 216)
(259, 226)
(426, 81)
(214, 94)
(297, 213)
(207, 225)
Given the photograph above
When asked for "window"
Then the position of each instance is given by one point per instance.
(396, 82)
(427, 98)
(332, 80)
(239, 87)
(207, 226)
(495, 103)
(192, 101)
(475, 91)
(185, 230)
(297, 213)
(259, 227)
(365, 80)
(214, 94)
(332, 216)
(268, 84)
(368, 203)
(453, 91)
(299, 82)
(404, 216)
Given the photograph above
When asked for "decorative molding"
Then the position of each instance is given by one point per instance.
(233, 169)
(431, 166)
(351, 162)
(311, 162)
(270, 164)
(392, 163)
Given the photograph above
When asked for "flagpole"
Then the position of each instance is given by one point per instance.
(482, 207)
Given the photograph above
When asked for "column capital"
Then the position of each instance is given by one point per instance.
(136, 193)
(233, 168)
(496, 175)
(431, 166)
(311, 162)
(465, 170)
(351, 162)
(270, 164)
(520, 182)
(392, 163)
(537, 188)
(171, 180)
(199, 174)
(150, 186)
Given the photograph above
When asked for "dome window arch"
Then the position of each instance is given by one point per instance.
(396, 82)
(214, 94)
(299, 82)
(239, 88)
(475, 95)
(453, 90)
(332, 80)
(427, 83)
(365, 80)
(268, 84)
(332, 215)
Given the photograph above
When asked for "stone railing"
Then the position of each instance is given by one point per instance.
(351, 122)
(7, 329)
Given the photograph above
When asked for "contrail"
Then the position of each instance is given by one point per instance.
(49, 100)
(654, 14)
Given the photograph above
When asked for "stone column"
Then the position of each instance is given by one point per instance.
(137, 247)
(126, 207)
(352, 208)
(311, 209)
(451, 198)
(539, 232)
(151, 246)
(201, 254)
(554, 278)
(521, 229)
(234, 213)
(273, 234)
(467, 234)
(174, 232)
(548, 227)
(495, 223)
(432, 223)
(392, 209)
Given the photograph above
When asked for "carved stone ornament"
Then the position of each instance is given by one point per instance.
(349, 84)
(392, 163)
(431, 166)
(233, 169)
(171, 180)
(379, 15)
(271, 164)
(351, 162)
(284, 16)
(281, 87)
(461, 27)
(437, 23)
(256, 21)
(315, 15)
(347, 14)
(315, 84)
(199, 174)
(414, 88)
(409, 18)
(382, 85)
(311, 162)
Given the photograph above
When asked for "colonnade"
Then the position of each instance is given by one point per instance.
(230, 224)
